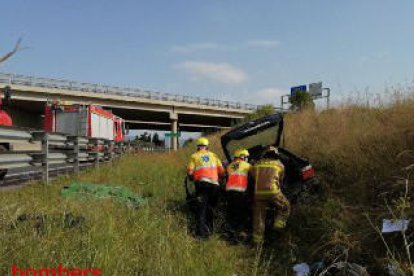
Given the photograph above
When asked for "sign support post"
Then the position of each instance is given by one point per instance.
(315, 91)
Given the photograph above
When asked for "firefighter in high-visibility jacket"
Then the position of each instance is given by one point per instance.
(267, 175)
(237, 193)
(206, 170)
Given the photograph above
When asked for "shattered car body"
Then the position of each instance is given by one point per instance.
(256, 136)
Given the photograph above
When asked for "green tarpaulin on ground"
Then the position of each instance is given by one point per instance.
(87, 190)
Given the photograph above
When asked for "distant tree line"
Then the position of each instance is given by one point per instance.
(301, 100)
(147, 138)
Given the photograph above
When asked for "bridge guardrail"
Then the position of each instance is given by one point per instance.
(15, 161)
(41, 155)
(105, 89)
(14, 146)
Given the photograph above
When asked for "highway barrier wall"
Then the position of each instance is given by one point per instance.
(28, 154)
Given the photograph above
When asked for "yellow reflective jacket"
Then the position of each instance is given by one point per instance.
(205, 166)
(268, 176)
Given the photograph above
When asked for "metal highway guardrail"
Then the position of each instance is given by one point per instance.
(105, 89)
(27, 154)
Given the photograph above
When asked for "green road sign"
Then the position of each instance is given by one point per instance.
(173, 134)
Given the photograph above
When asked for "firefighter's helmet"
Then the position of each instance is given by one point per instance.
(202, 141)
(240, 153)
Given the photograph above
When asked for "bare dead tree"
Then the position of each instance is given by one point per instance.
(12, 52)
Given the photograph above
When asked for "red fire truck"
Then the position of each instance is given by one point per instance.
(84, 120)
(5, 119)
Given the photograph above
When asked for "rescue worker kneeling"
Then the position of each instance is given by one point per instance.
(236, 192)
(268, 175)
(205, 169)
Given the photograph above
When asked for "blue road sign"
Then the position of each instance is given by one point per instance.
(295, 89)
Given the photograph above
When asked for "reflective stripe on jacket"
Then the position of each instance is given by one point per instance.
(238, 173)
(267, 175)
(205, 166)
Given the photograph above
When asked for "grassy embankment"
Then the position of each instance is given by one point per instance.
(356, 151)
(362, 156)
(120, 241)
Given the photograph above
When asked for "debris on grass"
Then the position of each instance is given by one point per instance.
(301, 269)
(39, 221)
(398, 225)
(88, 190)
(334, 262)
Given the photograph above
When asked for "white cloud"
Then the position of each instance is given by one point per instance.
(269, 95)
(208, 46)
(269, 44)
(196, 47)
(378, 56)
(218, 72)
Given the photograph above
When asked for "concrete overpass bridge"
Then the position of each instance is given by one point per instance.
(140, 108)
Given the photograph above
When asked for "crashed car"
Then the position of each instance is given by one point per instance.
(300, 180)
(256, 136)
(299, 184)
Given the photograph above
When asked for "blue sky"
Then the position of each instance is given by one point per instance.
(248, 51)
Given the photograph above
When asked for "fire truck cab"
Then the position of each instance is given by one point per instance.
(5, 119)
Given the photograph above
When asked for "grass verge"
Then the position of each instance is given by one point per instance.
(358, 152)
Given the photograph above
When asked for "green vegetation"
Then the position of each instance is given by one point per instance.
(151, 240)
(260, 112)
(148, 140)
(302, 100)
(359, 154)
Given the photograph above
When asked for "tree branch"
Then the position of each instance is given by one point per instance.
(11, 53)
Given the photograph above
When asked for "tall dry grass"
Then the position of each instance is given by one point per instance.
(354, 148)
(356, 151)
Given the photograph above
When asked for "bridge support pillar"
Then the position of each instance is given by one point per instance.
(174, 131)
